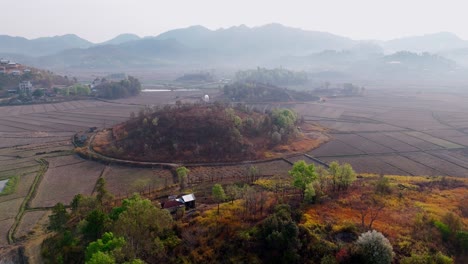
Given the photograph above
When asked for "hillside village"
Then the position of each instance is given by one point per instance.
(20, 84)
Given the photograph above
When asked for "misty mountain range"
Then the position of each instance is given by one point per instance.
(269, 45)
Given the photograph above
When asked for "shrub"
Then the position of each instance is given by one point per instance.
(10, 186)
(328, 259)
(462, 240)
(443, 228)
(374, 247)
(438, 258)
(383, 185)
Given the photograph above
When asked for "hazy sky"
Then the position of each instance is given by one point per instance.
(100, 20)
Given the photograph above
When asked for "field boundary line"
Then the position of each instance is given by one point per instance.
(317, 160)
(44, 165)
(101, 175)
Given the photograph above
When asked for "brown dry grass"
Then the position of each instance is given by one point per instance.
(398, 217)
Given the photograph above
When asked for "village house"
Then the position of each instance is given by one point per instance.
(173, 203)
(12, 65)
(25, 87)
(15, 73)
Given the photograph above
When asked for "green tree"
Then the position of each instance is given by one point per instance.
(342, 175)
(58, 218)
(107, 244)
(102, 194)
(309, 193)
(348, 176)
(383, 185)
(101, 258)
(38, 93)
(279, 236)
(140, 223)
(182, 174)
(218, 194)
(302, 174)
(95, 224)
(234, 192)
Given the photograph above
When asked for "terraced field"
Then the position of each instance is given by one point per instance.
(391, 133)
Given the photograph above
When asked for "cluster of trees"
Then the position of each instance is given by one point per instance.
(214, 132)
(95, 230)
(76, 89)
(278, 76)
(125, 88)
(243, 91)
(196, 77)
(252, 223)
(315, 183)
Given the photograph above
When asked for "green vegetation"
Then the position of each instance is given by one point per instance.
(39, 78)
(303, 175)
(182, 174)
(122, 89)
(95, 232)
(76, 90)
(199, 133)
(10, 186)
(266, 220)
(38, 93)
(278, 76)
(243, 91)
(218, 194)
(279, 235)
(196, 77)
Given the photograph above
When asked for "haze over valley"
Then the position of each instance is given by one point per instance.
(233, 132)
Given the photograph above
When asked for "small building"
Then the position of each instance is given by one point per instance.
(189, 200)
(25, 87)
(4, 61)
(15, 73)
(12, 65)
(26, 70)
(185, 201)
(173, 205)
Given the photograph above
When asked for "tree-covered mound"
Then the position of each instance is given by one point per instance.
(198, 133)
(278, 76)
(114, 90)
(260, 92)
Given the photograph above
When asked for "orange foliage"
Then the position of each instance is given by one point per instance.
(398, 216)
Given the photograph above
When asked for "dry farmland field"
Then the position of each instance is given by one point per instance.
(403, 133)
(398, 133)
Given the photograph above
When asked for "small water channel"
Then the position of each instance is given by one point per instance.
(2, 184)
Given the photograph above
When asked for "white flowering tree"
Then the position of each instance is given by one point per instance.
(374, 248)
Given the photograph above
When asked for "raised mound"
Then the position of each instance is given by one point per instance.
(260, 92)
(204, 133)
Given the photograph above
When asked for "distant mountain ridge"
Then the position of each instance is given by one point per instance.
(122, 38)
(270, 45)
(436, 42)
(41, 46)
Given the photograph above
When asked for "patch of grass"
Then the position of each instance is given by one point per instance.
(10, 186)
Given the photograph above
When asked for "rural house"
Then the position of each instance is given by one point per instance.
(25, 87)
(173, 203)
